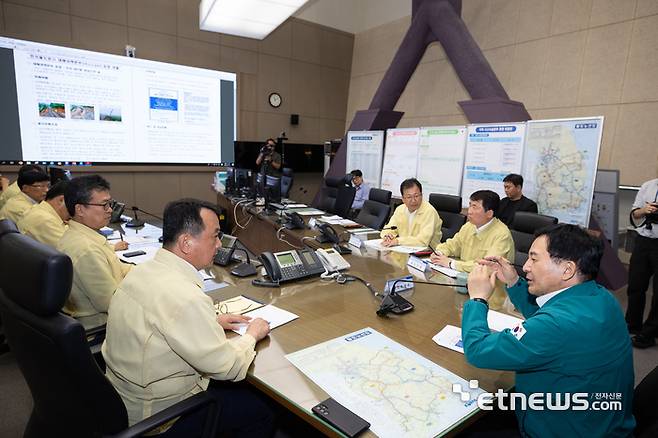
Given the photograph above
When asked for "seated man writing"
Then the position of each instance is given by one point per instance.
(415, 222)
(573, 341)
(482, 235)
(165, 342)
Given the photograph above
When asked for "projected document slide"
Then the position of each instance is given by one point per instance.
(76, 105)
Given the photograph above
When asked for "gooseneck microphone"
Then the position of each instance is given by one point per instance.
(394, 303)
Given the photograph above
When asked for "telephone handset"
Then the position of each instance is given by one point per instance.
(295, 221)
(332, 260)
(328, 235)
(291, 265)
(225, 253)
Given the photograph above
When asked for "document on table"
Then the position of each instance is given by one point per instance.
(307, 211)
(272, 314)
(451, 336)
(377, 244)
(150, 251)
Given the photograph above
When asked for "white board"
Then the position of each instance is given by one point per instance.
(365, 150)
(400, 157)
(492, 152)
(559, 168)
(441, 159)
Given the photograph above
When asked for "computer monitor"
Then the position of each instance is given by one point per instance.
(242, 178)
(57, 174)
(272, 189)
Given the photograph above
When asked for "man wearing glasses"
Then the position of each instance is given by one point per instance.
(11, 190)
(34, 185)
(47, 221)
(415, 222)
(97, 270)
(483, 235)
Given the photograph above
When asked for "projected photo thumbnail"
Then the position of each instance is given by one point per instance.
(52, 110)
(82, 112)
(110, 114)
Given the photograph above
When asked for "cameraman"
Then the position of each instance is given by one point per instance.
(644, 265)
(269, 158)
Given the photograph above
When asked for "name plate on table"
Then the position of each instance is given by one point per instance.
(417, 263)
(355, 241)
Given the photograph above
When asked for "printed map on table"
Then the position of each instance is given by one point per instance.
(395, 389)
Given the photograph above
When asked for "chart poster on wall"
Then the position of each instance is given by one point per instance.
(365, 151)
(441, 159)
(400, 157)
(559, 167)
(492, 152)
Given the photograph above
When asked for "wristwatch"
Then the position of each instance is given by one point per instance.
(481, 300)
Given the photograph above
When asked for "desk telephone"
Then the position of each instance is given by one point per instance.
(225, 253)
(298, 264)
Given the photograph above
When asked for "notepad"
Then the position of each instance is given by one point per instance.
(272, 314)
(237, 305)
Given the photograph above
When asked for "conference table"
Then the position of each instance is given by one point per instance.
(328, 310)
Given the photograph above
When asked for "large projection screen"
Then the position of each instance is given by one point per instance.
(71, 106)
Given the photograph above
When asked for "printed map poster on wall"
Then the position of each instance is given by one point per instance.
(365, 150)
(441, 159)
(492, 152)
(559, 167)
(400, 158)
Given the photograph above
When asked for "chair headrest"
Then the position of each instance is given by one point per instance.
(379, 195)
(332, 181)
(33, 275)
(527, 222)
(7, 226)
(448, 203)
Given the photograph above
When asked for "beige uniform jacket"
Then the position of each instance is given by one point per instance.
(469, 246)
(42, 223)
(11, 191)
(163, 341)
(16, 207)
(97, 273)
(425, 228)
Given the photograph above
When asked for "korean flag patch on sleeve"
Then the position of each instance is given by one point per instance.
(518, 331)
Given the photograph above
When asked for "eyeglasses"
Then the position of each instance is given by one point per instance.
(107, 205)
(40, 186)
(414, 197)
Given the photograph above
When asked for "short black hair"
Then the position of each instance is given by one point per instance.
(183, 216)
(357, 172)
(57, 190)
(514, 178)
(409, 183)
(79, 190)
(572, 243)
(27, 167)
(490, 199)
(30, 177)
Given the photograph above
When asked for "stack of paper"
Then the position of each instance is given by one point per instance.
(451, 336)
(377, 244)
(274, 315)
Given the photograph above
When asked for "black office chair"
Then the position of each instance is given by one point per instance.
(376, 209)
(645, 398)
(344, 200)
(286, 185)
(6, 226)
(524, 225)
(328, 194)
(449, 208)
(71, 395)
